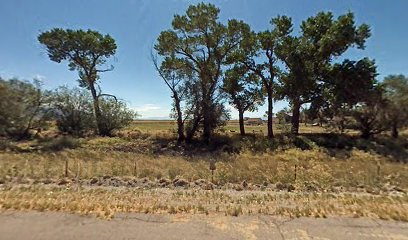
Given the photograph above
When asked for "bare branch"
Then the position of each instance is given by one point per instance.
(105, 70)
(107, 95)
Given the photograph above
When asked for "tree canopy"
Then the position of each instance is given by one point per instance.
(86, 52)
(309, 56)
(199, 43)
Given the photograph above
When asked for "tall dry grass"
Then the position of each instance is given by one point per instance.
(105, 203)
(348, 168)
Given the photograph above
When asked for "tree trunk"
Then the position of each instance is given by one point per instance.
(365, 134)
(97, 111)
(394, 131)
(270, 113)
(180, 123)
(295, 117)
(206, 124)
(241, 122)
(193, 129)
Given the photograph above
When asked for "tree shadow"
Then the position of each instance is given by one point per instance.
(396, 149)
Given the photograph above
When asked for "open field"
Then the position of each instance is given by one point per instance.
(154, 126)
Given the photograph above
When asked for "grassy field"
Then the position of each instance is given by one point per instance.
(154, 126)
(334, 174)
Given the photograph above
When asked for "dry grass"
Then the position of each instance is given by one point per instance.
(326, 164)
(348, 169)
(105, 203)
(153, 126)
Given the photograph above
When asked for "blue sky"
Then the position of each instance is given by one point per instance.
(135, 25)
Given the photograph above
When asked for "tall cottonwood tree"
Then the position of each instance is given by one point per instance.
(85, 52)
(308, 57)
(346, 85)
(175, 77)
(200, 43)
(244, 92)
(257, 53)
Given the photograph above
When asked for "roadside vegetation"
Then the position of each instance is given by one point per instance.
(106, 203)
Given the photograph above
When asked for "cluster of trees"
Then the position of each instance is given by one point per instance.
(26, 108)
(207, 63)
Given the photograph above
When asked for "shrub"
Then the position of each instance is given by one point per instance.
(22, 108)
(115, 115)
(303, 143)
(5, 145)
(72, 110)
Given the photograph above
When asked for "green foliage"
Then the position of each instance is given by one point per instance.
(84, 51)
(243, 89)
(266, 68)
(115, 115)
(371, 115)
(199, 44)
(72, 110)
(348, 85)
(22, 108)
(350, 81)
(309, 57)
(283, 116)
(396, 93)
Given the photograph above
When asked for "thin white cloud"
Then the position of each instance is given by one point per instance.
(152, 111)
(147, 108)
(39, 77)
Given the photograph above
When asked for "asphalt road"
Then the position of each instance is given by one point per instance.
(47, 225)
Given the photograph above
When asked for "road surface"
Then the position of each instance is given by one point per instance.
(49, 225)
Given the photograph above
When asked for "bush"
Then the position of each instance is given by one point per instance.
(303, 143)
(72, 109)
(22, 108)
(115, 115)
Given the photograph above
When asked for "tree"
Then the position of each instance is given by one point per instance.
(396, 92)
(86, 52)
(308, 57)
(371, 114)
(174, 77)
(257, 53)
(346, 85)
(23, 107)
(200, 43)
(72, 110)
(243, 92)
(283, 116)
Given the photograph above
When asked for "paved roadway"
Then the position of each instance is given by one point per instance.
(47, 225)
